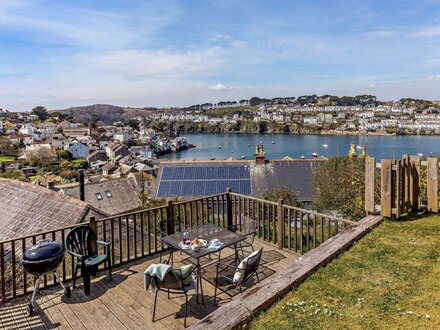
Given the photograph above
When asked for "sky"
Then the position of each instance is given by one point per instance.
(177, 53)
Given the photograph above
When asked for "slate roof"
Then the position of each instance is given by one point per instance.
(294, 174)
(28, 209)
(123, 197)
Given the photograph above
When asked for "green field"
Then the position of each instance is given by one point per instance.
(388, 280)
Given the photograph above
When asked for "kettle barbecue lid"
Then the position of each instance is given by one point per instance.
(45, 249)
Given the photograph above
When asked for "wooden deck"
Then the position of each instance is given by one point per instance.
(124, 304)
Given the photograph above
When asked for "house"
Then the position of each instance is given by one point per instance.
(144, 183)
(77, 149)
(116, 150)
(24, 138)
(109, 168)
(27, 209)
(1, 127)
(111, 197)
(97, 155)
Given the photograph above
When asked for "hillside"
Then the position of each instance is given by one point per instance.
(103, 112)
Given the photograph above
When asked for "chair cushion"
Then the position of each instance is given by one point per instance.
(186, 275)
(239, 273)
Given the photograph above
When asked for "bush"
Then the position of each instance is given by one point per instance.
(65, 154)
(339, 187)
(288, 196)
(69, 174)
(80, 164)
(15, 175)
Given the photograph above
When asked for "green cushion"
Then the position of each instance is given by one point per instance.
(186, 274)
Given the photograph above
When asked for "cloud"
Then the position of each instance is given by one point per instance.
(435, 77)
(163, 63)
(428, 31)
(218, 87)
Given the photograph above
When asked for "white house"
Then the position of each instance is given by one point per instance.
(1, 126)
(78, 150)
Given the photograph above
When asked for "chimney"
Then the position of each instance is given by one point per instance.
(82, 194)
(259, 155)
(51, 185)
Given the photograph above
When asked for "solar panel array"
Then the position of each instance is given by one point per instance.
(204, 180)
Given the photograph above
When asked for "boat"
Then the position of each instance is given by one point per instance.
(249, 145)
(358, 147)
(212, 158)
(324, 146)
(314, 154)
(261, 142)
(303, 157)
(273, 142)
(243, 157)
(420, 154)
(219, 147)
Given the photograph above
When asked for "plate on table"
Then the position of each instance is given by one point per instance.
(184, 246)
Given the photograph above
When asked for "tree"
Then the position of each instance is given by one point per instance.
(41, 112)
(288, 196)
(339, 186)
(65, 154)
(40, 157)
(5, 145)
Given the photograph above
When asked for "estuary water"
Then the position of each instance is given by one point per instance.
(278, 146)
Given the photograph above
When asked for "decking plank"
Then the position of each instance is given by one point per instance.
(123, 302)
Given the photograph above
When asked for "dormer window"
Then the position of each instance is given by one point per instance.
(98, 196)
(109, 194)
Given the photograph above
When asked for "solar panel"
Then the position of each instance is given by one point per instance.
(175, 188)
(167, 173)
(164, 188)
(204, 180)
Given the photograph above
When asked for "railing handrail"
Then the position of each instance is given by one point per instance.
(330, 217)
(42, 233)
(132, 213)
(254, 198)
(200, 198)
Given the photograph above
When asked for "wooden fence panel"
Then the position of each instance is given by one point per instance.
(415, 182)
(398, 187)
(432, 184)
(386, 191)
(370, 167)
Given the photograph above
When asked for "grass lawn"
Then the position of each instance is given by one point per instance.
(6, 159)
(388, 280)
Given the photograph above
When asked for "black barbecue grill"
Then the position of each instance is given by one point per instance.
(40, 259)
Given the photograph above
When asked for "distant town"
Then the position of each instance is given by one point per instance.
(49, 147)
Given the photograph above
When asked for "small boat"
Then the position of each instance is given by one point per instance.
(273, 142)
(314, 154)
(212, 158)
(243, 157)
(324, 146)
(358, 147)
(249, 145)
(261, 142)
(303, 157)
(219, 147)
(420, 154)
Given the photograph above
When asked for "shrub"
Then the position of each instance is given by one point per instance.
(288, 196)
(339, 187)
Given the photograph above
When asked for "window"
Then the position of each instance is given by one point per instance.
(98, 196)
(109, 194)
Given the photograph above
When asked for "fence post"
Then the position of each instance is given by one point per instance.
(370, 168)
(398, 187)
(386, 188)
(229, 209)
(280, 224)
(415, 183)
(93, 225)
(170, 220)
(432, 184)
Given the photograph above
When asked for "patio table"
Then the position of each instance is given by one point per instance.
(207, 232)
